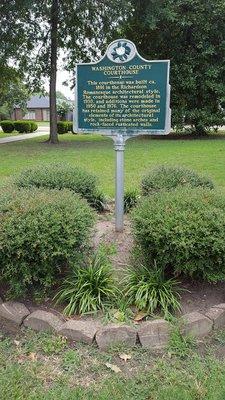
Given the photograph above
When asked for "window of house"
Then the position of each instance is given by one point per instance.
(46, 115)
(29, 115)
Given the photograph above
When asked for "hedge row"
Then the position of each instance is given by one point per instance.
(22, 126)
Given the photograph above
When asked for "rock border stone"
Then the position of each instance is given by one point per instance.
(40, 320)
(81, 331)
(115, 334)
(14, 312)
(196, 324)
(152, 335)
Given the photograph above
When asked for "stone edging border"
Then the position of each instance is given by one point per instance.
(150, 334)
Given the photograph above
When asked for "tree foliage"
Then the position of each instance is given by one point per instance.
(35, 33)
(63, 107)
(191, 33)
(12, 91)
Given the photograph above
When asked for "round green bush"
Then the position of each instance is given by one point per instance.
(33, 126)
(183, 231)
(63, 176)
(7, 126)
(62, 127)
(22, 126)
(166, 177)
(41, 232)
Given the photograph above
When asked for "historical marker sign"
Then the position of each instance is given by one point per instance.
(123, 95)
(123, 92)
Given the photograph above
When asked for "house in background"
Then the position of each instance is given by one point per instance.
(37, 109)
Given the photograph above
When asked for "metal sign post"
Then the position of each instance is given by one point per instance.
(122, 96)
(119, 146)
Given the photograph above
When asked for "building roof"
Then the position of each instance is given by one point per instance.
(38, 102)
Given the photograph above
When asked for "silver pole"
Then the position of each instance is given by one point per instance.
(119, 199)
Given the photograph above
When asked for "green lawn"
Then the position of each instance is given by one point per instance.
(44, 367)
(96, 154)
(43, 123)
(3, 135)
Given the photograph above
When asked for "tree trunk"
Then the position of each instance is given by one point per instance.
(53, 138)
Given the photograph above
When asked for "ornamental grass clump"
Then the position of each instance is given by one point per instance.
(149, 290)
(130, 200)
(63, 176)
(42, 232)
(167, 177)
(90, 287)
(184, 231)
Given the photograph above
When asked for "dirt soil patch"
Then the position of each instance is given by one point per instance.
(122, 242)
(196, 296)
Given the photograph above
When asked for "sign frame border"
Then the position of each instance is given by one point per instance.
(125, 132)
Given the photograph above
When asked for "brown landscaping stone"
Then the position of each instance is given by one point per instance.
(217, 315)
(196, 324)
(154, 334)
(115, 334)
(43, 321)
(80, 331)
(13, 311)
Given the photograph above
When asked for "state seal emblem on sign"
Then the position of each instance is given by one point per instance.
(121, 51)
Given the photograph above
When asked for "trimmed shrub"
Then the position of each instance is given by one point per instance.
(165, 177)
(90, 287)
(183, 231)
(33, 126)
(22, 126)
(149, 290)
(63, 176)
(62, 127)
(7, 126)
(41, 232)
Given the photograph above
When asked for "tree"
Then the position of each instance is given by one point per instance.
(191, 33)
(60, 96)
(12, 91)
(79, 28)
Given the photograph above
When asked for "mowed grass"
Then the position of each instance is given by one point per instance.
(43, 123)
(3, 135)
(44, 367)
(95, 153)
